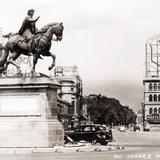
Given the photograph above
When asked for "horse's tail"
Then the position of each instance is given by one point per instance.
(4, 52)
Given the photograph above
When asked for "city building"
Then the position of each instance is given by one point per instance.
(71, 87)
(65, 112)
(151, 82)
(152, 100)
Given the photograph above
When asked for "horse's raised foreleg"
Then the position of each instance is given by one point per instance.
(53, 58)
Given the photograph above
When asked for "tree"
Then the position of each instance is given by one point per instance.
(104, 110)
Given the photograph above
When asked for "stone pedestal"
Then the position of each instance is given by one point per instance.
(28, 113)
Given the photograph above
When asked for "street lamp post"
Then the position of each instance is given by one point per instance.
(143, 115)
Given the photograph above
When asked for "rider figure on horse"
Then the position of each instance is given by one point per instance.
(30, 42)
(27, 31)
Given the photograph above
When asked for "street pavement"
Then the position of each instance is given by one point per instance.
(130, 153)
(138, 146)
(131, 138)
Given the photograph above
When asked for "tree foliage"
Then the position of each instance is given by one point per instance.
(104, 110)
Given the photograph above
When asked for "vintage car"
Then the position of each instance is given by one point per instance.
(137, 128)
(92, 133)
(147, 127)
(122, 129)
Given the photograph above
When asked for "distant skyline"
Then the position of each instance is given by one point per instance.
(104, 38)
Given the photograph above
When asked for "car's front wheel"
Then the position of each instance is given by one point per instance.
(103, 143)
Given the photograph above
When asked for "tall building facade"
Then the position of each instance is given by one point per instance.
(71, 87)
(151, 82)
(152, 100)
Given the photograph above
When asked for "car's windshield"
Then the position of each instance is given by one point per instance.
(87, 129)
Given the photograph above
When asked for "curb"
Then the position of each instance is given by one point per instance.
(61, 149)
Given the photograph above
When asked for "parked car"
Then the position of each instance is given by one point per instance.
(93, 133)
(147, 128)
(122, 129)
(136, 128)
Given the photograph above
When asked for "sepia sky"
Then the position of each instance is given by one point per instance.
(104, 38)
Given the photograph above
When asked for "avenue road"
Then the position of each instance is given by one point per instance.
(138, 146)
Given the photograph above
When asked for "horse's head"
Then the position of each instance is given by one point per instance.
(59, 31)
(53, 28)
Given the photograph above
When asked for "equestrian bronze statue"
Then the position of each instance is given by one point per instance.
(30, 41)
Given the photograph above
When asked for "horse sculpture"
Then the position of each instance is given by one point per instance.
(41, 44)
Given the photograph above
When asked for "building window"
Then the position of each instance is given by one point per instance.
(155, 110)
(155, 86)
(150, 87)
(158, 110)
(155, 97)
(159, 86)
(150, 98)
(150, 111)
(73, 103)
(72, 88)
(159, 97)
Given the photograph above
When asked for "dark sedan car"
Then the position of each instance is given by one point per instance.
(92, 133)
